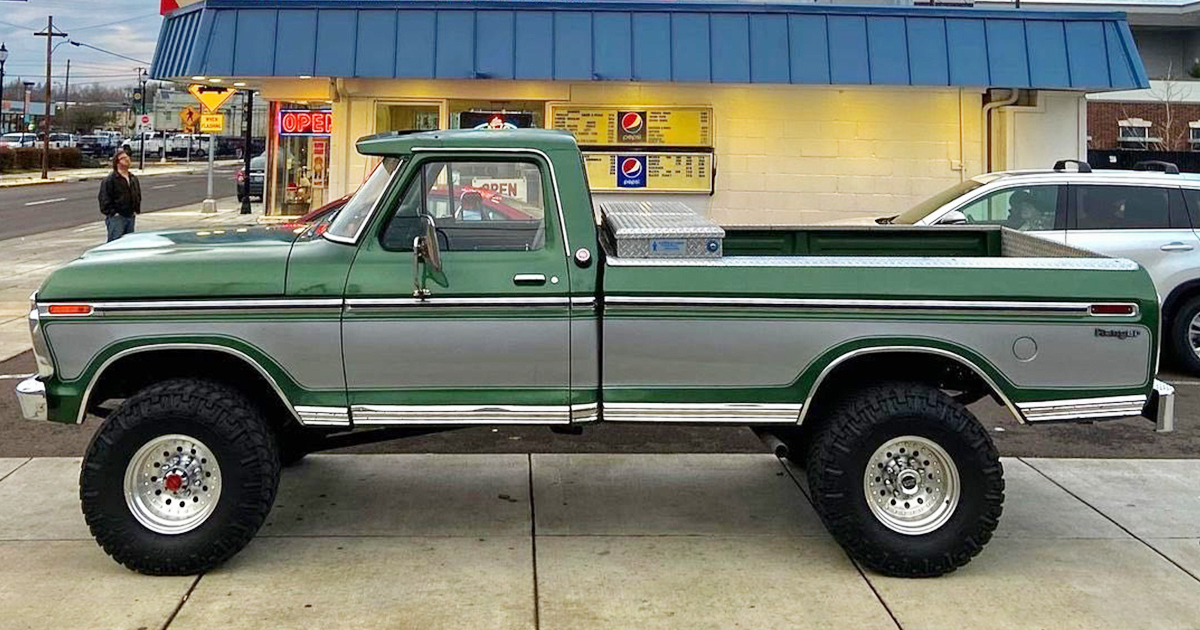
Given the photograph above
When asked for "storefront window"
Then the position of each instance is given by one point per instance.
(466, 114)
(405, 116)
(299, 158)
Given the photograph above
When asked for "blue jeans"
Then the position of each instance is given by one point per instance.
(118, 226)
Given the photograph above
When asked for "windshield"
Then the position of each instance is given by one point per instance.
(923, 209)
(356, 211)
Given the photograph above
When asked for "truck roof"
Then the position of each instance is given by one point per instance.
(401, 142)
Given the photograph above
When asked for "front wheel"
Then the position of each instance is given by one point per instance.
(906, 480)
(179, 478)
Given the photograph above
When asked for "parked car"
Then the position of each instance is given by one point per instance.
(230, 351)
(63, 140)
(188, 143)
(156, 143)
(317, 221)
(16, 140)
(97, 145)
(1150, 216)
(252, 185)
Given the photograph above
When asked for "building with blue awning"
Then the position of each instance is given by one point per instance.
(754, 112)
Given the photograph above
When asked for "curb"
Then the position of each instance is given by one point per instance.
(86, 177)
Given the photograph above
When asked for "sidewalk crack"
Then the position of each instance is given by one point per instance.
(878, 597)
(182, 601)
(1111, 520)
(19, 467)
(537, 600)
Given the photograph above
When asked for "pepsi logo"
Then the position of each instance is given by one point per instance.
(631, 167)
(632, 122)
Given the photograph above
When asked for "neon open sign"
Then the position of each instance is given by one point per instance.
(304, 122)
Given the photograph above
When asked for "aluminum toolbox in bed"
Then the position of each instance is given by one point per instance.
(661, 229)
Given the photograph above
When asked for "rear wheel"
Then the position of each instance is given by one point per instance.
(906, 480)
(1185, 336)
(179, 478)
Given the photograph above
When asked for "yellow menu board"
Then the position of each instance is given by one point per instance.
(617, 126)
(649, 172)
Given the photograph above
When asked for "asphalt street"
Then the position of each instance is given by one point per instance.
(1126, 438)
(26, 210)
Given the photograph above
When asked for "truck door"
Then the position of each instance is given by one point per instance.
(490, 343)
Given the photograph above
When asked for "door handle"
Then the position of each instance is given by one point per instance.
(529, 279)
(1177, 247)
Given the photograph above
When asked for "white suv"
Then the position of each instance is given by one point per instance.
(1150, 216)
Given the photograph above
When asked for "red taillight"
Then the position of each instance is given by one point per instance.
(70, 309)
(241, 176)
(1112, 309)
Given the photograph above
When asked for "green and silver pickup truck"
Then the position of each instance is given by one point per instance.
(471, 281)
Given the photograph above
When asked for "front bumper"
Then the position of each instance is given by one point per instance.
(1161, 407)
(31, 394)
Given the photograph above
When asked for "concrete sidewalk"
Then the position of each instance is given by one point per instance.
(26, 261)
(613, 541)
(77, 174)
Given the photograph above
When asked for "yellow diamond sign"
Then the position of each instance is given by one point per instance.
(212, 123)
(210, 96)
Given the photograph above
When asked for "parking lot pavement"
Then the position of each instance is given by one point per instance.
(612, 541)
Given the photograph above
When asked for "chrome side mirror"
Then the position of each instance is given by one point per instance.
(425, 253)
(954, 217)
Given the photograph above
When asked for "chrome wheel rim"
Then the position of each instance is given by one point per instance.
(911, 485)
(172, 484)
(1194, 334)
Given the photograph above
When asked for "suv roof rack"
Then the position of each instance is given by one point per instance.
(1080, 166)
(1157, 165)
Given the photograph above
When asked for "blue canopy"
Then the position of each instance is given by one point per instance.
(673, 41)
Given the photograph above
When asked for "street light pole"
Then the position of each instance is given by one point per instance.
(248, 120)
(25, 96)
(142, 133)
(3, 58)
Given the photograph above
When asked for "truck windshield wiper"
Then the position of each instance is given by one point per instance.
(887, 220)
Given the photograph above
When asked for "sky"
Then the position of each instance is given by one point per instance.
(128, 27)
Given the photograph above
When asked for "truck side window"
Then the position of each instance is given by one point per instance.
(477, 206)
(1122, 208)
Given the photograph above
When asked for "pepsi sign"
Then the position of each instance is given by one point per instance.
(631, 127)
(631, 171)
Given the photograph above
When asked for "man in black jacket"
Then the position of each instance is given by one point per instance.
(120, 198)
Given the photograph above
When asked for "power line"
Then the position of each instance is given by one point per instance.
(108, 52)
(136, 17)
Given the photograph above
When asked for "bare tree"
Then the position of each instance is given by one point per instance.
(1172, 139)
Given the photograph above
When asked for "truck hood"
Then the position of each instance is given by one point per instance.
(219, 262)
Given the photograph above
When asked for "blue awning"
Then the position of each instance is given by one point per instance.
(673, 41)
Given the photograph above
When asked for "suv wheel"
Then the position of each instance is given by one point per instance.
(1185, 336)
(906, 480)
(180, 478)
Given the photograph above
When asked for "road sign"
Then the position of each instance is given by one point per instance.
(212, 123)
(189, 119)
(210, 96)
(144, 125)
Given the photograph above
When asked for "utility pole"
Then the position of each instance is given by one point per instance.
(67, 99)
(49, 34)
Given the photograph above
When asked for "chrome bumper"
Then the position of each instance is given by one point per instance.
(1161, 407)
(31, 394)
